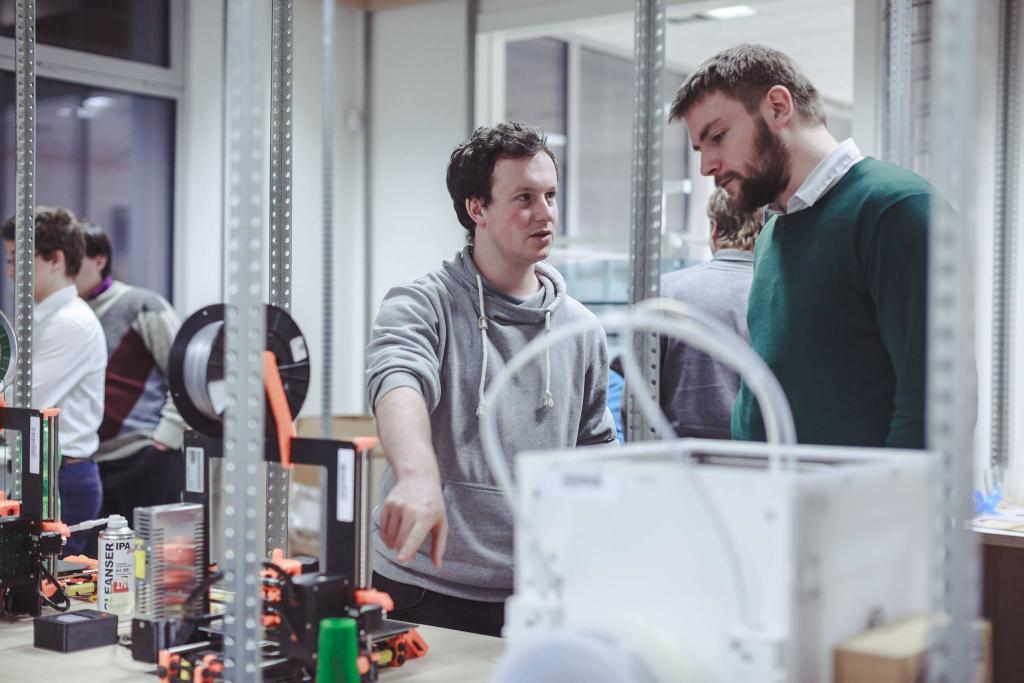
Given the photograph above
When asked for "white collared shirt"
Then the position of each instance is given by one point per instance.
(69, 361)
(823, 178)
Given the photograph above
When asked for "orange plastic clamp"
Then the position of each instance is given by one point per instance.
(414, 646)
(416, 643)
(9, 508)
(279, 407)
(164, 662)
(290, 567)
(47, 588)
(372, 596)
(59, 527)
(365, 443)
(213, 663)
(50, 412)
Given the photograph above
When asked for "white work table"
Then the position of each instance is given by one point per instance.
(453, 656)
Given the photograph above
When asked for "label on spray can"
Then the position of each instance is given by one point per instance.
(116, 590)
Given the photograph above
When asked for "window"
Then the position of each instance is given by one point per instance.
(535, 94)
(108, 81)
(582, 96)
(108, 156)
(134, 30)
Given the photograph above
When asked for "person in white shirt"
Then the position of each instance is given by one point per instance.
(69, 360)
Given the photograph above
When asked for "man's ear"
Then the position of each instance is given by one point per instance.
(57, 260)
(475, 209)
(777, 107)
(714, 230)
(101, 262)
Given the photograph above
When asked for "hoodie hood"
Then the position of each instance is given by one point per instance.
(501, 307)
(505, 309)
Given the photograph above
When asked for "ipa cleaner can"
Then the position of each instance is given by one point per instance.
(116, 590)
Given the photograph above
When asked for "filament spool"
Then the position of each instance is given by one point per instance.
(196, 366)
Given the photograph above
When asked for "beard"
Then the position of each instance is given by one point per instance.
(767, 176)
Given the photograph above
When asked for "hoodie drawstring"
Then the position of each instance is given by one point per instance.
(548, 399)
(482, 324)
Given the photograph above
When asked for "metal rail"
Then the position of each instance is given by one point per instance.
(898, 140)
(281, 74)
(951, 379)
(646, 201)
(25, 207)
(1004, 244)
(327, 246)
(243, 482)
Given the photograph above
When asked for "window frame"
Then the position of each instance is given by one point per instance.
(136, 78)
(490, 102)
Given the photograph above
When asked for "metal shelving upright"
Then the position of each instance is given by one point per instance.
(281, 146)
(646, 201)
(243, 482)
(25, 207)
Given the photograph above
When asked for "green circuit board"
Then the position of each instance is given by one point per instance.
(8, 350)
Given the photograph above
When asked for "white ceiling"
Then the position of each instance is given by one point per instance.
(818, 34)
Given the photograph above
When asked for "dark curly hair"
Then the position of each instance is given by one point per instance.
(56, 230)
(97, 243)
(746, 73)
(472, 163)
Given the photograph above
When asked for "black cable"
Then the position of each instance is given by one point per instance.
(286, 593)
(189, 619)
(60, 589)
(200, 587)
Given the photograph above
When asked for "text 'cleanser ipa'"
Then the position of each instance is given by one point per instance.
(116, 573)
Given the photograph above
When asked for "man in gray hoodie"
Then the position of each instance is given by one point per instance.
(443, 534)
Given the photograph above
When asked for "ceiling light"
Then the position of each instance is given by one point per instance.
(730, 12)
(97, 102)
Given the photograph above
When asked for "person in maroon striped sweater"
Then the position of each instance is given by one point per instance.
(139, 457)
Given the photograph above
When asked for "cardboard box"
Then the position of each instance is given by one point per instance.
(896, 653)
(304, 528)
(342, 427)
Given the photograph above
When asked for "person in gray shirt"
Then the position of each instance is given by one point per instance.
(442, 536)
(697, 392)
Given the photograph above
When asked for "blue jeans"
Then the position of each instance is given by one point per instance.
(80, 497)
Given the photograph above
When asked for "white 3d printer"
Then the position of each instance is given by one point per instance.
(679, 561)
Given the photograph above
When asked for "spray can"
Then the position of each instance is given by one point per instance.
(116, 575)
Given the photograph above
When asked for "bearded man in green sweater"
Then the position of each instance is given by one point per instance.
(838, 300)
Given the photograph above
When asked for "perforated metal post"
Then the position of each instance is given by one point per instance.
(646, 203)
(1004, 244)
(897, 134)
(327, 246)
(243, 484)
(281, 73)
(951, 380)
(25, 203)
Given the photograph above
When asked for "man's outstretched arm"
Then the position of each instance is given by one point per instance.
(414, 507)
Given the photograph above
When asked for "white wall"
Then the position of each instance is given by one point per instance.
(198, 232)
(349, 267)
(985, 141)
(419, 102)
(869, 44)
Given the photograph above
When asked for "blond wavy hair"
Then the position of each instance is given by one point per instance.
(734, 229)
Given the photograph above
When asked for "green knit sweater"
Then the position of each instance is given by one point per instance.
(837, 310)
